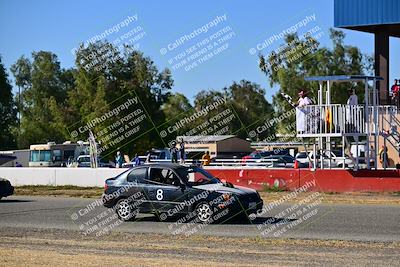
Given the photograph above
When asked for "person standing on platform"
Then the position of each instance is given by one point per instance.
(395, 93)
(174, 152)
(351, 111)
(301, 111)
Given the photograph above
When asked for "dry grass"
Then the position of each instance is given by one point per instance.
(50, 248)
(67, 190)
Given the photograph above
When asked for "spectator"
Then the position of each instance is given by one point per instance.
(148, 157)
(301, 111)
(395, 93)
(182, 151)
(351, 111)
(136, 159)
(174, 152)
(70, 162)
(353, 99)
(372, 157)
(383, 156)
(118, 160)
(206, 159)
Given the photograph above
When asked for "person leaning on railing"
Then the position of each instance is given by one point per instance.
(301, 111)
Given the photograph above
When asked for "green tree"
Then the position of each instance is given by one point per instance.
(22, 73)
(303, 57)
(105, 78)
(245, 106)
(251, 107)
(42, 94)
(7, 111)
(176, 105)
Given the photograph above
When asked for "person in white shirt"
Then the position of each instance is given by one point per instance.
(301, 110)
(351, 108)
(353, 99)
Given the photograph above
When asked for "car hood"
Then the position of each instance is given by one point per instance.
(220, 187)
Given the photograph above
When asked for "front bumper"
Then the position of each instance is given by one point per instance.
(243, 204)
(108, 201)
(7, 191)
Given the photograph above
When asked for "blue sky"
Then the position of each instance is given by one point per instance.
(60, 26)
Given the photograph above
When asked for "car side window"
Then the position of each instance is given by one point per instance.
(138, 175)
(163, 176)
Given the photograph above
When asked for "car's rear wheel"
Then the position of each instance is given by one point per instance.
(124, 210)
(204, 212)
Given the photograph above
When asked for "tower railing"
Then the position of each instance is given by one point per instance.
(333, 119)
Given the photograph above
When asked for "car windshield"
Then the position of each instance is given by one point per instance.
(301, 155)
(84, 159)
(255, 155)
(197, 176)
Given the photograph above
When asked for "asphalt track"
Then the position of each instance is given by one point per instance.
(380, 223)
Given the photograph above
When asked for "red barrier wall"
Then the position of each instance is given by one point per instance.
(259, 178)
(325, 180)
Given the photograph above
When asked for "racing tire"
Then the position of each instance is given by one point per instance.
(124, 210)
(204, 212)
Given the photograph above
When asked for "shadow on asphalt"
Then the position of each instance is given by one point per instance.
(231, 221)
(15, 200)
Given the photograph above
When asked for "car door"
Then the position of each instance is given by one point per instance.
(137, 180)
(164, 190)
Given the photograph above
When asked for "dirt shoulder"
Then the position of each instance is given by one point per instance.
(41, 247)
(337, 198)
(340, 198)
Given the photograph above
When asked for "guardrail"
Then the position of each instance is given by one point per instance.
(331, 119)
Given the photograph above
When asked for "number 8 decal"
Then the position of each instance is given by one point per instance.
(159, 195)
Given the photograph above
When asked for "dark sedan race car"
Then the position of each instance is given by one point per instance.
(6, 189)
(169, 190)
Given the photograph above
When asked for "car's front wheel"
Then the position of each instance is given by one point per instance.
(124, 210)
(204, 212)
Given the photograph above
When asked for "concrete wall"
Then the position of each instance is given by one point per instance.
(58, 176)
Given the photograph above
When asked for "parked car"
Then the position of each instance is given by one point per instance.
(6, 189)
(172, 189)
(256, 156)
(336, 160)
(280, 161)
(83, 161)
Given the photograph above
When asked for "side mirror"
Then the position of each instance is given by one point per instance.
(182, 186)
